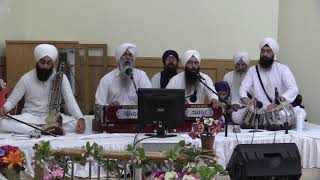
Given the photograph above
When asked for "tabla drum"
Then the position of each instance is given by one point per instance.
(253, 117)
(279, 116)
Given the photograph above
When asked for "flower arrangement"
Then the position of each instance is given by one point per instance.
(198, 165)
(183, 162)
(12, 160)
(55, 172)
(205, 127)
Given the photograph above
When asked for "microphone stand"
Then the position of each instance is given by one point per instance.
(228, 105)
(134, 83)
(35, 127)
(130, 73)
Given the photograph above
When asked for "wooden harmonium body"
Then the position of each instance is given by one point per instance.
(124, 118)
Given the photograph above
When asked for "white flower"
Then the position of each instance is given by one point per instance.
(90, 158)
(216, 122)
(191, 165)
(171, 175)
(188, 177)
(208, 121)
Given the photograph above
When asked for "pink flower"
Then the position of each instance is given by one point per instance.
(8, 149)
(48, 177)
(57, 172)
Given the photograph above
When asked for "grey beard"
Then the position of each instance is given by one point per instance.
(124, 64)
(125, 80)
(236, 83)
(241, 71)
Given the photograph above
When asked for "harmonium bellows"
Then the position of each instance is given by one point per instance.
(124, 118)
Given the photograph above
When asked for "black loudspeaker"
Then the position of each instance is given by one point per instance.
(265, 162)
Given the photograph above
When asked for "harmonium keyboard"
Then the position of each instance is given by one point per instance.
(124, 118)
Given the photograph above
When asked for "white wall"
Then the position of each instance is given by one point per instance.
(11, 22)
(217, 28)
(299, 28)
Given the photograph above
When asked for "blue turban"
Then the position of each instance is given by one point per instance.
(222, 86)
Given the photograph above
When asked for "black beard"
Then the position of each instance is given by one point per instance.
(166, 75)
(43, 74)
(265, 62)
(191, 76)
(170, 71)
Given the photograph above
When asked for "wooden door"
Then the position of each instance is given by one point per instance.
(91, 66)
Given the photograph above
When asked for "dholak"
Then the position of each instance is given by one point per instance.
(253, 117)
(281, 114)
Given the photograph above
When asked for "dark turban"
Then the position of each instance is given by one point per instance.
(168, 53)
(222, 86)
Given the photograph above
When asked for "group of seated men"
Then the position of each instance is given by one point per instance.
(243, 86)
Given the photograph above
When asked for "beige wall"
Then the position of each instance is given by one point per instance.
(217, 28)
(11, 21)
(299, 38)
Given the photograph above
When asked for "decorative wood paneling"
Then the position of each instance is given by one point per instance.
(3, 68)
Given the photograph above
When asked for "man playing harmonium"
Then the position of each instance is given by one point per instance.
(35, 86)
(189, 80)
(116, 87)
(271, 83)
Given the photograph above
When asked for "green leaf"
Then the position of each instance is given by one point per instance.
(182, 143)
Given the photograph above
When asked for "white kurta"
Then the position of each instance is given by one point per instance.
(155, 80)
(111, 88)
(234, 88)
(36, 107)
(234, 94)
(278, 76)
(179, 82)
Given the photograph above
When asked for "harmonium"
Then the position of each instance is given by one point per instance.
(124, 118)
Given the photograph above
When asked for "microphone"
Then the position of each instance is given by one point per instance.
(259, 104)
(193, 97)
(199, 76)
(128, 71)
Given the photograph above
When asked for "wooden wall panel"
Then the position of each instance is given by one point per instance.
(3, 68)
(93, 66)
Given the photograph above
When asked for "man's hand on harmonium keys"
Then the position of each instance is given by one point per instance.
(2, 112)
(215, 103)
